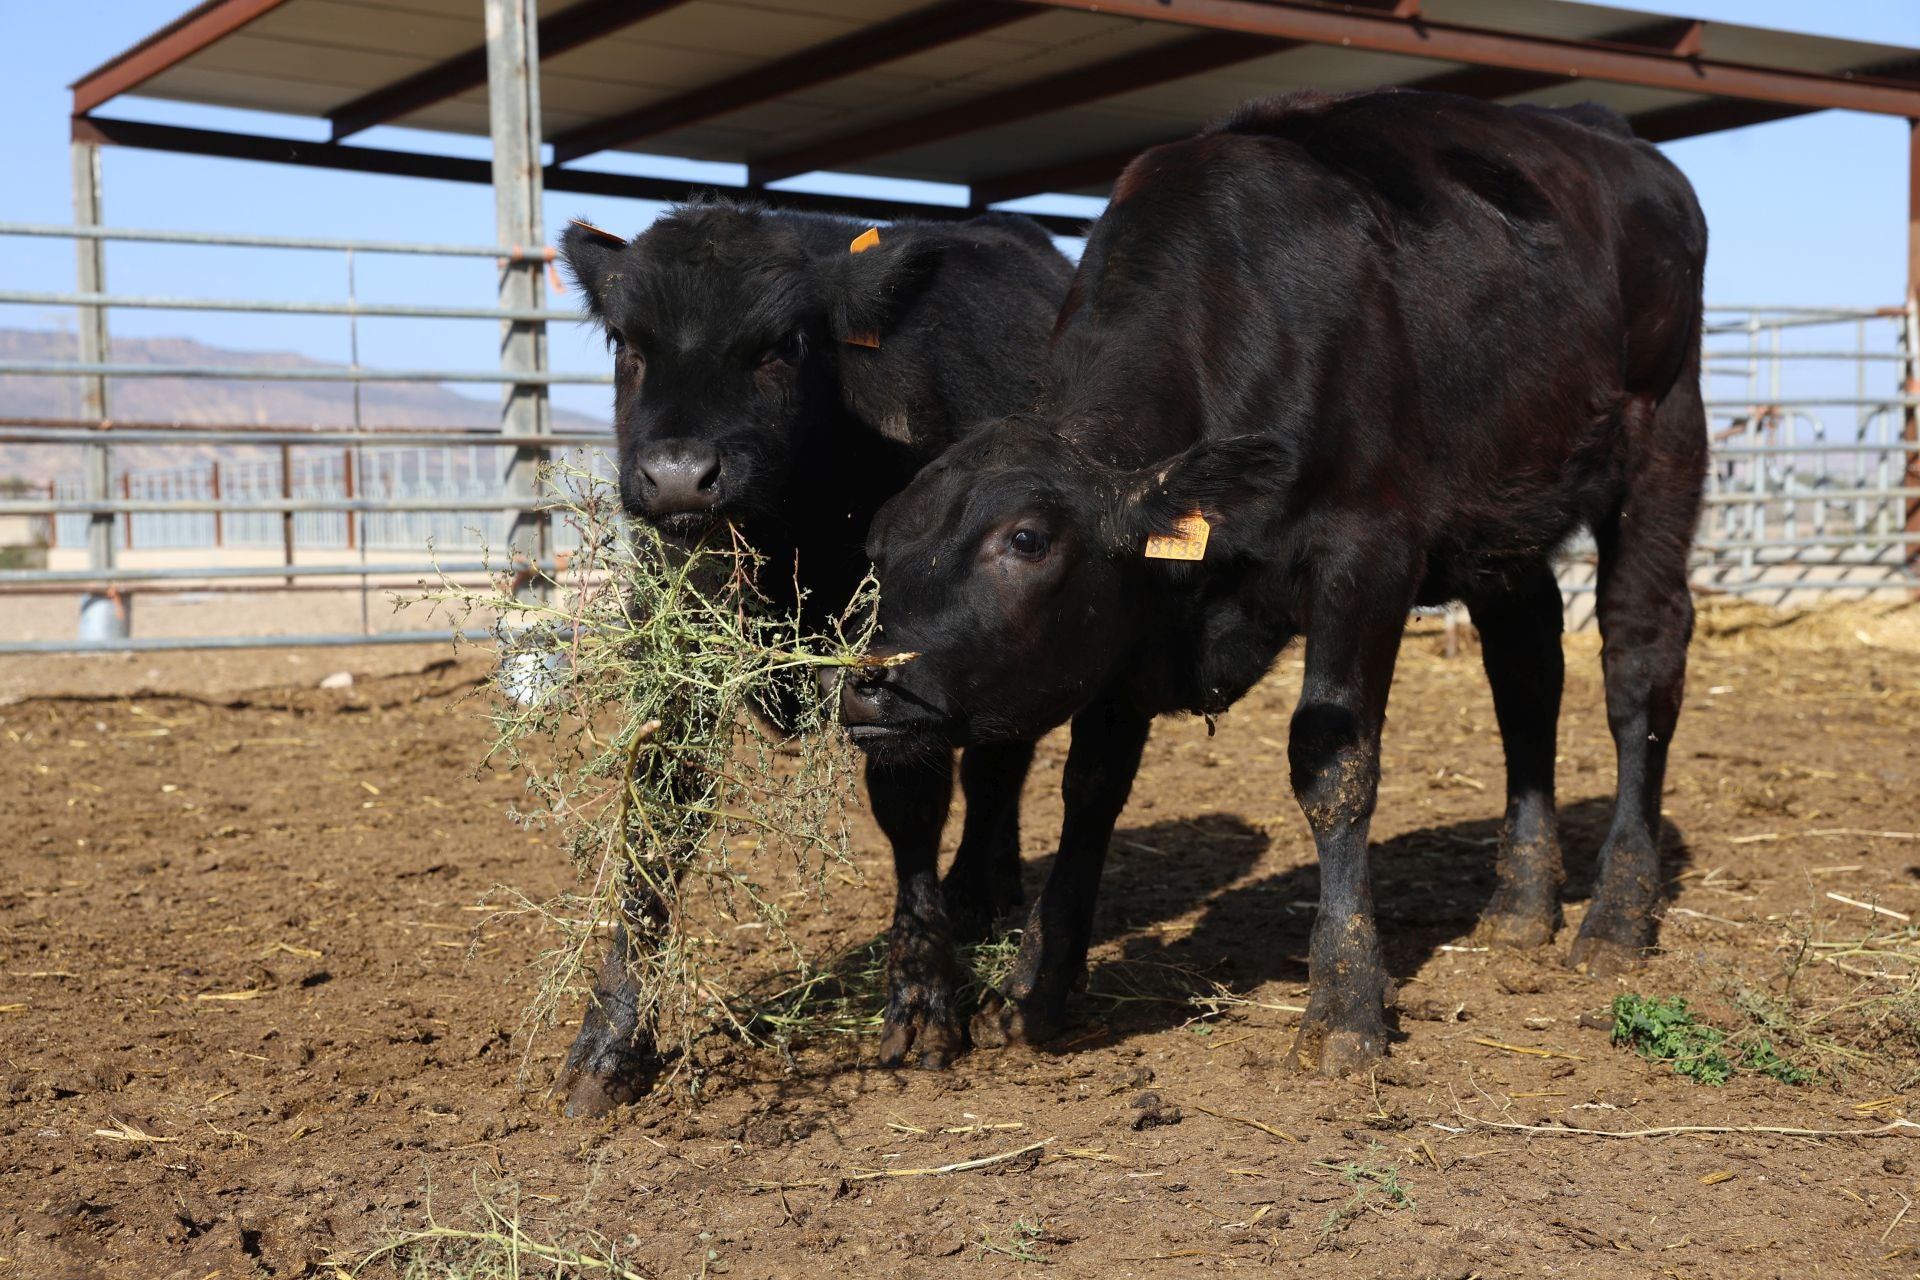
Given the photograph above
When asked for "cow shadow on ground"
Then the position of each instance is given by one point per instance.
(1430, 886)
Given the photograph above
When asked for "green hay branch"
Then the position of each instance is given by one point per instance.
(667, 718)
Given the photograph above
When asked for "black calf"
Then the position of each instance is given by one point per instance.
(1380, 350)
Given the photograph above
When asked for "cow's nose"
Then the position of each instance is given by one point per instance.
(864, 696)
(680, 475)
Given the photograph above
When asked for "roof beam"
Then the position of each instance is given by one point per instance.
(178, 40)
(568, 29)
(911, 33)
(409, 164)
(1490, 83)
(1572, 59)
(1140, 70)
(1691, 119)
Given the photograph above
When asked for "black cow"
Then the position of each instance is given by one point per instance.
(1393, 349)
(787, 373)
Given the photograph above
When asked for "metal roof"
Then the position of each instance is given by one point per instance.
(1010, 97)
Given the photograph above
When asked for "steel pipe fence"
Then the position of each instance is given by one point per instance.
(1814, 482)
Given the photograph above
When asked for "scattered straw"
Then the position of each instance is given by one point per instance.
(1531, 1053)
(1262, 1126)
(1889, 912)
(963, 1166)
(1828, 833)
(250, 993)
(1902, 1128)
(124, 1132)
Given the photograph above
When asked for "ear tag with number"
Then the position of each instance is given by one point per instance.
(1188, 541)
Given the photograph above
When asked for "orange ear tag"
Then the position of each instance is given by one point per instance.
(606, 236)
(1188, 541)
(861, 243)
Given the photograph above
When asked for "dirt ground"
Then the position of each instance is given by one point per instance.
(256, 1017)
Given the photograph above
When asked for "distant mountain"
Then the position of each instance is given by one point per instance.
(217, 402)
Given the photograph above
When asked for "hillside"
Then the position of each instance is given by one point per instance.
(218, 402)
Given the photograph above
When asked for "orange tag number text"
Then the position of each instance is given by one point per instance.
(1188, 541)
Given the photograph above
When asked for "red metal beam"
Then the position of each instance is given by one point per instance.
(1140, 70)
(1575, 59)
(172, 44)
(568, 29)
(1491, 83)
(911, 33)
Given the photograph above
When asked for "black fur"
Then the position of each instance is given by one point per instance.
(1396, 347)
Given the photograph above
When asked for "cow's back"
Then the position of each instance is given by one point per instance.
(1445, 309)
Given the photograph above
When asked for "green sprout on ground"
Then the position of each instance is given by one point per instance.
(666, 716)
(1023, 1244)
(494, 1245)
(1376, 1185)
(1665, 1030)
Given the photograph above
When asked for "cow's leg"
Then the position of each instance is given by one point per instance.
(1520, 647)
(1107, 740)
(1334, 751)
(613, 1060)
(1646, 619)
(984, 880)
(922, 1020)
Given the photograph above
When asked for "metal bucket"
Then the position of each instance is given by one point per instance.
(105, 616)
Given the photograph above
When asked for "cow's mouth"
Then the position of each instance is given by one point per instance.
(897, 737)
(685, 527)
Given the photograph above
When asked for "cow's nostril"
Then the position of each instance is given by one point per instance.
(681, 475)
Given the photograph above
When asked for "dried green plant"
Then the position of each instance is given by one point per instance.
(668, 722)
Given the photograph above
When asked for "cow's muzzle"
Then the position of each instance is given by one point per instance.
(679, 477)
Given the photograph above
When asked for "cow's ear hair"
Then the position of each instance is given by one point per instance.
(593, 259)
(1229, 482)
(866, 290)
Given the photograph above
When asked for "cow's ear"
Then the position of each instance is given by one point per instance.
(1230, 484)
(593, 259)
(868, 288)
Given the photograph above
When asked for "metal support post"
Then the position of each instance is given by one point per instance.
(1910, 432)
(91, 261)
(513, 94)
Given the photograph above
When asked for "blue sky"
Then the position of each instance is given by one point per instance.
(1811, 210)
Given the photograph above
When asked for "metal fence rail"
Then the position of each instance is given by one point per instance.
(1814, 483)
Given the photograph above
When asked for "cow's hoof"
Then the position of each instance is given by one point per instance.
(1337, 1052)
(922, 1040)
(604, 1073)
(1600, 956)
(1515, 930)
(1001, 1022)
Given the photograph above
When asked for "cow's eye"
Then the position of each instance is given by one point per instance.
(786, 351)
(1030, 542)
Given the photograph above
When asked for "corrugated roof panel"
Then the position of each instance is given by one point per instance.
(249, 91)
(339, 24)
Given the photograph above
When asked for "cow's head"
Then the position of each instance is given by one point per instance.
(1014, 566)
(724, 323)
